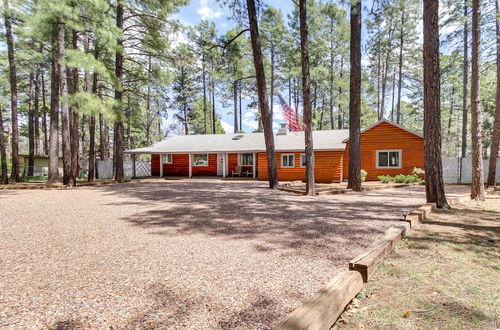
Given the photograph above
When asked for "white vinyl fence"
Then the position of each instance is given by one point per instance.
(451, 172)
(451, 169)
(142, 169)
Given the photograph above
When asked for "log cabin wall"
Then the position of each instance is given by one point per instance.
(387, 137)
(327, 169)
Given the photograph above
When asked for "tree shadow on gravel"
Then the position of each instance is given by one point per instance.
(340, 226)
(260, 314)
(168, 308)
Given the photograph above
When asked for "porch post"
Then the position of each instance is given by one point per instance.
(133, 167)
(253, 164)
(190, 166)
(223, 165)
(161, 166)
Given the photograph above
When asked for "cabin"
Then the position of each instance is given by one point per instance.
(386, 149)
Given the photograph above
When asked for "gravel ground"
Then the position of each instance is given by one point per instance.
(177, 254)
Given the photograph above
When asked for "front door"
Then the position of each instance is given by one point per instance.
(220, 163)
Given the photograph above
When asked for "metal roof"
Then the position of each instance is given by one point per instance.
(249, 142)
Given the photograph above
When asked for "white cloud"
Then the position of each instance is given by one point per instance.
(228, 128)
(178, 38)
(206, 12)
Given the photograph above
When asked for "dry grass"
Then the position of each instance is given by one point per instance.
(445, 275)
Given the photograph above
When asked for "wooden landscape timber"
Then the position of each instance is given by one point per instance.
(326, 306)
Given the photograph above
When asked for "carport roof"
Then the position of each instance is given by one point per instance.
(251, 142)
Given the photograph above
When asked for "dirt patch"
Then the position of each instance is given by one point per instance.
(444, 275)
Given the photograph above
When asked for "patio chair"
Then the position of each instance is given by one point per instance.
(237, 171)
(248, 173)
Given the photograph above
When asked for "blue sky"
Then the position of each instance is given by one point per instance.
(211, 10)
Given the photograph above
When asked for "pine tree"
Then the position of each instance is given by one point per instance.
(14, 176)
(354, 181)
(434, 185)
(477, 186)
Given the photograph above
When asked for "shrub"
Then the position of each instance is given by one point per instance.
(417, 171)
(363, 175)
(385, 178)
(411, 178)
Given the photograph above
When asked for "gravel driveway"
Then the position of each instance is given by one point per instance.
(188, 253)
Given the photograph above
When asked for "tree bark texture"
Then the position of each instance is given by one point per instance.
(306, 87)
(262, 95)
(400, 66)
(434, 184)
(14, 176)
(465, 79)
(44, 118)
(65, 120)
(477, 185)
(36, 112)
(31, 128)
(75, 121)
(495, 138)
(54, 105)
(3, 154)
(118, 128)
(354, 181)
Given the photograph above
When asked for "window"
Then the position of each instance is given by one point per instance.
(288, 160)
(167, 159)
(302, 160)
(246, 160)
(388, 158)
(200, 160)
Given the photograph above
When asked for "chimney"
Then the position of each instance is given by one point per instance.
(283, 130)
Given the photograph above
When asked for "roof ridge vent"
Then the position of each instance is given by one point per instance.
(237, 137)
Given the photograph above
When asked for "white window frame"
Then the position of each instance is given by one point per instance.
(244, 153)
(165, 158)
(389, 151)
(283, 166)
(203, 165)
(302, 155)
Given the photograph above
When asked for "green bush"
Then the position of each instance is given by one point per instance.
(418, 171)
(363, 175)
(411, 178)
(385, 178)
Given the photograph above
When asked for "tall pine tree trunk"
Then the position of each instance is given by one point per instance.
(354, 181)
(31, 128)
(36, 112)
(331, 79)
(205, 110)
(54, 103)
(14, 176)
(65, 118)
(306, 87)
(271, 89)
(267, 120)
(434, 185)
(340, 117)
(495, 138)
(118, 136)
(235, 102)
(75, 120)
(3, 154)
(103, 138)
(477, 186)
(465, 80)
(400, 66)
(44, 118)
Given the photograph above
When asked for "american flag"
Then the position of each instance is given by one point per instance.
(293, 120)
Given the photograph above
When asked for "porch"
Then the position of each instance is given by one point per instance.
(221, 164)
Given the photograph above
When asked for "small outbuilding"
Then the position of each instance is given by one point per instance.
(386, 149)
